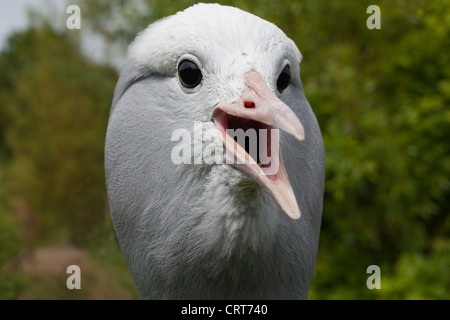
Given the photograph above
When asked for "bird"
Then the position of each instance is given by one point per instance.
(209, 226)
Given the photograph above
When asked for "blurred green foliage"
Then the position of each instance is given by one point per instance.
(381, 98)
(53, 115)
(55, 111)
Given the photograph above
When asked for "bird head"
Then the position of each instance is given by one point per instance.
(227, 70)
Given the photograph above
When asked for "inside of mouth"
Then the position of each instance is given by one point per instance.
(262, 144)
(262, 147)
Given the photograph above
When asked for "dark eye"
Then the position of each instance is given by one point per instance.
(189, 73)
(284, 79)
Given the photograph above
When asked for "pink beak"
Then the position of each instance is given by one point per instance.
(259, 108)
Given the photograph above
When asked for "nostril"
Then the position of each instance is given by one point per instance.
(249, 104)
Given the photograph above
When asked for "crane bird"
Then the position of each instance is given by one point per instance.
(214, 229)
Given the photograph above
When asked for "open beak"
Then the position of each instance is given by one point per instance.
(258, 108)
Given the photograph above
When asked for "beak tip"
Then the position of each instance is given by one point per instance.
(294, 215)
(301, 133)
(300, 136)
(296, 130)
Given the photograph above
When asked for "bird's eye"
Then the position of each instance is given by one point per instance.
(189, 73)
(284, 79)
